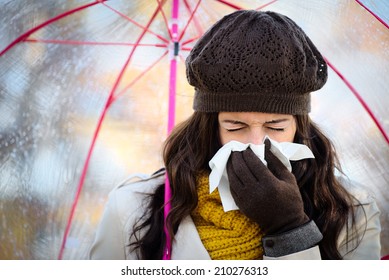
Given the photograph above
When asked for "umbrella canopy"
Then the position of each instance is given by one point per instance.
(89, 90)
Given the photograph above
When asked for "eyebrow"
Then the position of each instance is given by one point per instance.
(276, 121)
(232, 122)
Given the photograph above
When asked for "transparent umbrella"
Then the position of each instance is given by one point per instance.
(89, 90)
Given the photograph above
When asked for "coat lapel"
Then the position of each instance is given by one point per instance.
(187, 244)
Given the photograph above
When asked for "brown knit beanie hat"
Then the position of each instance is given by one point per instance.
(252, 61)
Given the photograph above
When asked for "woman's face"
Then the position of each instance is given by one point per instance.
(252, 127)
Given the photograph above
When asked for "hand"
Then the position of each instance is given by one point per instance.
(268, 195)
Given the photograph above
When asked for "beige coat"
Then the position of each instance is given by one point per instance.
(126, 204)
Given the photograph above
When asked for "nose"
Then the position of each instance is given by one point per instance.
(257, 134)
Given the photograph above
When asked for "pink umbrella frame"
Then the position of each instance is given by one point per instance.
(173, 44)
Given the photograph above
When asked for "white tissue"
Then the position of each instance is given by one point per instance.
(218, 178)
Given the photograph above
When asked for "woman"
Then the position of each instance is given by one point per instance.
(252, 73)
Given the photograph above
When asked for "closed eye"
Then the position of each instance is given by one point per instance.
(276, 129)
(234, 129)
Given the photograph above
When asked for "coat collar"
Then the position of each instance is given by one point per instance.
(187, 244)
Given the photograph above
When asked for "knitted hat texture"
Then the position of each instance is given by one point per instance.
(253, 61)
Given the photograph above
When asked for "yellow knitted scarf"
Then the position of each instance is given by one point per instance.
(226, 235)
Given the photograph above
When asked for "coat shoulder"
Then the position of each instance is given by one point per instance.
(126, 204)
(360, 193)
(130, 197)
(360, 238)
(140, 183)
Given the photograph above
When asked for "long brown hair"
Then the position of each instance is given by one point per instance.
(194, 142)
(326, 201)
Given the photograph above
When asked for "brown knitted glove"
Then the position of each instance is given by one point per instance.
(269, 195)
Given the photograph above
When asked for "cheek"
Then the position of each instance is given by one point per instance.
(284, 137)
(287, 136)
(224, 138)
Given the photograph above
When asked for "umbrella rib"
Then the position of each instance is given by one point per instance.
(197, 25)
(265, 5)
(136, 23)
(360, 99)
(25, 35)
(160, 5)
(73, 42)
(371, 12)
(189, 20)
(224, 2)
(138, 77)
(186, 49)
(190, 40)
(97, 131)
(234, 6)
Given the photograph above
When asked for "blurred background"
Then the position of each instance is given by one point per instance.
(60, 62)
